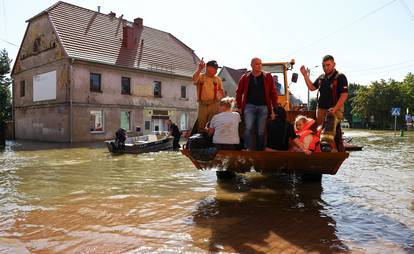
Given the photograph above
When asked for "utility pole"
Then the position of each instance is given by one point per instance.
(308, 70)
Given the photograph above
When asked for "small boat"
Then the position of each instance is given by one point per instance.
(349, 146)
(264, 161)
(141, 144)
(352, 147)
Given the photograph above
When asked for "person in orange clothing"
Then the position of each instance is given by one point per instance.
(307, 137)
(209, 92)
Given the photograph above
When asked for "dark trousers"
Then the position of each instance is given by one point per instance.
(176, 142)
(227, 147)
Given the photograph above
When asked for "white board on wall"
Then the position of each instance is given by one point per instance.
(44, 86)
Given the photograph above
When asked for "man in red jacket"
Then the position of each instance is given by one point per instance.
(256, 96)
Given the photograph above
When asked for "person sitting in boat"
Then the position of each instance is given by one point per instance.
(280, 133)
(307, 137)
(224, 127)
(175, 132)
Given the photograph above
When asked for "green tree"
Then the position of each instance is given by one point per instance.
(377, 100)
(5, 81)
(407, 93)
(352, 90)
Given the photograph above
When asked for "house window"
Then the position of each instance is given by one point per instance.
(95, 82)
(184, 121)
(157, 89)
(126, 85)
(183, 92)
(22, 88)
(147, 125)
(126, 120)
(96, 121)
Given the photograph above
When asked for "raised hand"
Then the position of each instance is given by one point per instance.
(201, 64)
(303, 70)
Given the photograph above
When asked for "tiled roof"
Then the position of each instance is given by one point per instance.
(97, 37)
(235, 74)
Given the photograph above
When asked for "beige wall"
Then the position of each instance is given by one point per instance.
(82, 122)
(62, 83)
(48, 123)
(40, 32)
(141, 88)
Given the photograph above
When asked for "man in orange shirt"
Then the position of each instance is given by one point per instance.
(209, 92)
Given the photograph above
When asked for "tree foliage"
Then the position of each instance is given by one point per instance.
(380, 97)
(5, 81)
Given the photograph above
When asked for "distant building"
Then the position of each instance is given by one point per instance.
(81, 74)
(296, 102)
(230, 78)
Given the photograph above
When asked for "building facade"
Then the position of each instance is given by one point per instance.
(230, 78)
(80, 75)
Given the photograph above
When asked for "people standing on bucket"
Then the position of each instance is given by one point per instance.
(209, 92)
(332, 89)
(256, 96)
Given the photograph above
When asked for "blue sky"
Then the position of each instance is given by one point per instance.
(366, 47)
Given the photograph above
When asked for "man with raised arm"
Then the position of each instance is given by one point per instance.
(209, 92)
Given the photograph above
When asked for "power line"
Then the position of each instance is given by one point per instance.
(11, 43)
(342, 28)
(407, 9)
(392, 70)
(410, 62)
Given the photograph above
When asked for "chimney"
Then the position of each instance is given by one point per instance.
(139, 22)
(129, 36)
(112, 14)
(99, 9)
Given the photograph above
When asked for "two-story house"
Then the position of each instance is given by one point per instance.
(81, 74)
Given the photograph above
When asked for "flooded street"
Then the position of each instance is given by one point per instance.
(83, 200)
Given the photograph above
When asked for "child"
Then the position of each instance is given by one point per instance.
(225, 126)
(306, 135)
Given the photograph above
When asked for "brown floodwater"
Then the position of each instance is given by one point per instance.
(60, 199)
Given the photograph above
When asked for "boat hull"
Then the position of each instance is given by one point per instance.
(156, 146)
(261, 161)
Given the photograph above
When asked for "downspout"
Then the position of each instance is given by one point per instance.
(13, 114)
(71, 83)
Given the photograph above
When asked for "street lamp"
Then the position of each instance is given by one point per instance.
(308, 70)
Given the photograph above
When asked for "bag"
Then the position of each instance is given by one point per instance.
(199, 141)
(200, 147)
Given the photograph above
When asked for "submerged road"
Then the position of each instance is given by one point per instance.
(59, 199)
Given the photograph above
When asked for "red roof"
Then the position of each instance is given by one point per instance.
(97, 37)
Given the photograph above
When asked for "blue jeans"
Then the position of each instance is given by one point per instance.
(254, 115)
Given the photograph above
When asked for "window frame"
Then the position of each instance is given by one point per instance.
(129, 119)
(154, 84)
(185, 92)
(129, 85)
(102, 122)
(22, 88)
(147, 124)
(91, 88)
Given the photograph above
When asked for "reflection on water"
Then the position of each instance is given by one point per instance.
(83, 200)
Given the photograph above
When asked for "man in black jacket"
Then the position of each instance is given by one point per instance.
(175, 132)
(332, 89)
